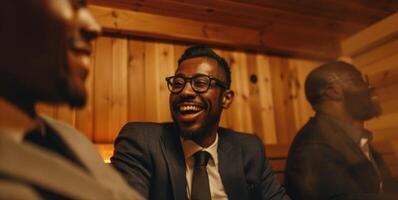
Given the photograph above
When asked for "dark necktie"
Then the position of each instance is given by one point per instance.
(200, 179)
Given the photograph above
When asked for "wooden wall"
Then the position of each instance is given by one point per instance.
(381, 65)
(127, 83)
(375, 52)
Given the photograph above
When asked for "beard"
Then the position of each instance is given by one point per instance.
(202, 128)
(361, 106)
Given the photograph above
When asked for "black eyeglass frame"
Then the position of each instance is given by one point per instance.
(186, 79)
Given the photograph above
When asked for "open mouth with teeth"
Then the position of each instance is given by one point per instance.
(189, 113)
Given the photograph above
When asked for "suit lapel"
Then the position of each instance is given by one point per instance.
(357, 161)
(231, 166)
(89, 157)
(172, 150)
(86, 154)
(48, 170)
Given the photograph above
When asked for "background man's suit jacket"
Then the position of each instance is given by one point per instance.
(25, 168)
(325, 163)
(150, 157)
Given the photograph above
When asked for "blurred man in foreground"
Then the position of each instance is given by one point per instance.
(45, 51)
(332, 156)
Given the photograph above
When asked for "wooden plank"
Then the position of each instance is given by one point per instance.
(164, 27)
(385, 134)
(278, 165)
(371, 37)
(266, 100)
(254, 96)
(385, 78)
(389, 106)
(172, 27)
(277, 151)
(241, 14)
(165, 54)
(299, 71)
(118, 91)
(102, 88)
(136, 81)
(384, 121)
(388, 93)
(365, 11)
(152, 82)
(383, 147)
(240, 84)
(280, 77)
(384, 64)
(376, 54)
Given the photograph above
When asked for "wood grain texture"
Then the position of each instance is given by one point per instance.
(115, 20)
(127, 83)
(311, 28)
(374, 51)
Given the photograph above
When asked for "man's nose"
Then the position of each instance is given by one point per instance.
(188, 90)
(90, 29)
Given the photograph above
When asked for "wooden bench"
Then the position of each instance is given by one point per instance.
(278, 153)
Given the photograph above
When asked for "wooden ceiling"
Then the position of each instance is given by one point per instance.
(304, 28)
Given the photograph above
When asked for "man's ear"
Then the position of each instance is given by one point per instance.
(334, 92)
(228, 96)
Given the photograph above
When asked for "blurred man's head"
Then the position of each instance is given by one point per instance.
(199, 91)
(340, 82)
(45, 48)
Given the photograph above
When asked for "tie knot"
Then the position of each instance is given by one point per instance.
(201, 158)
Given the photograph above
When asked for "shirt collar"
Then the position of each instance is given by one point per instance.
(354, 133)
(190, 148)
(13, 122)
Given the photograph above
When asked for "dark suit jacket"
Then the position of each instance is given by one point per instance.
(150, 157)
(325, 163)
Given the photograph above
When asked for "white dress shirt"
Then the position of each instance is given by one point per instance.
(216, 187)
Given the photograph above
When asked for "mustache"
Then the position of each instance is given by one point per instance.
(183, 100)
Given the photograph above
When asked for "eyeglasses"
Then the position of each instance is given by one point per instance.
(200, 83)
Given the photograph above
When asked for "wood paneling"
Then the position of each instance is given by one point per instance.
(289, 27)
(372, 36)
(374, 51)
(127, 83)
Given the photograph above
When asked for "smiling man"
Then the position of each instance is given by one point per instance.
(332, 156)
(45, 49)
(193, 158)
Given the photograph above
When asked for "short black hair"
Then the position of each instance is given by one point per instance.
(204, 51)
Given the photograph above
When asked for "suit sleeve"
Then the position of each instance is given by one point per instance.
(314, 172)
(132, 159)
(269, 185)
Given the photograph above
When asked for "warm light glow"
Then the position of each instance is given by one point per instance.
(106, 151)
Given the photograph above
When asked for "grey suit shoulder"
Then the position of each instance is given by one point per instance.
(26, 167)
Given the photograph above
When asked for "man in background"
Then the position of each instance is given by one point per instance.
(332, 156)
(193, 158)
(45, 52)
